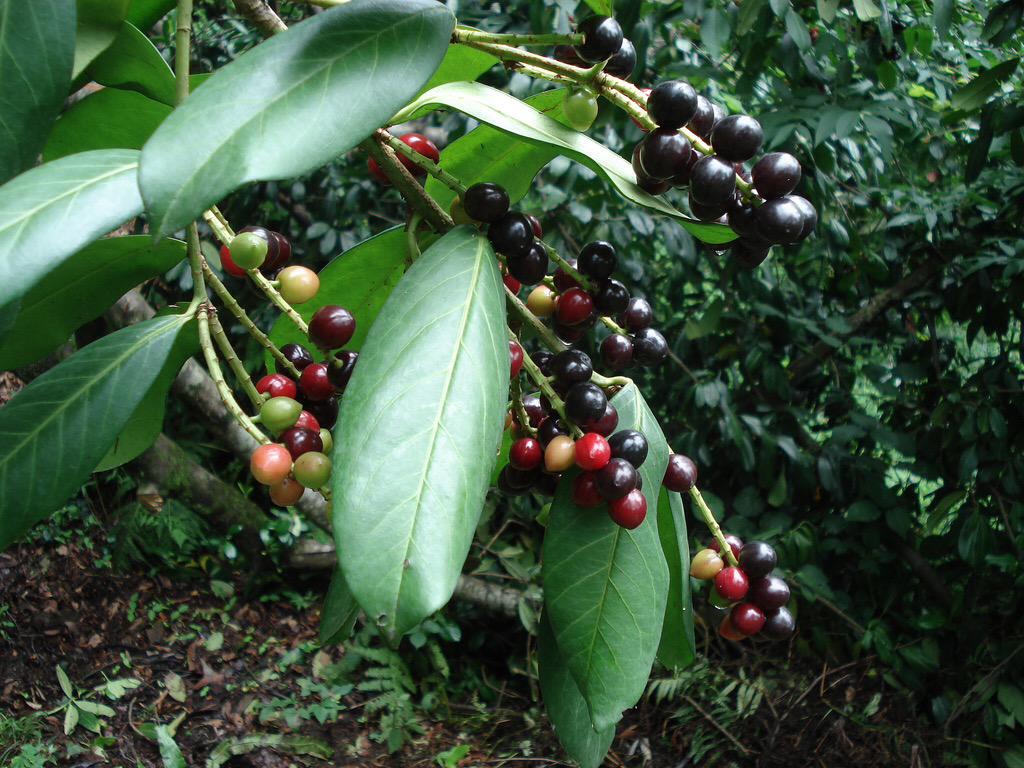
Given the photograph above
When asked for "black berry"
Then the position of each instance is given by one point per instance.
(529, 267)
(737, 138)
(809, 213)
(331, 327)
(623, 63)
(664, 153)
(585, 401)
(776, 175)
(780, 221)
(605, 424)
(549, 429)
(340, 369)
(712, 181)
(597, 260)
(572, 366)
(749, 253)
(535, 411)
(297, 355)
(705, 212)
(703, 119)
(672, 104)
(602, 38)
(742, 217)
(511, 235)
(680, 474)
(758, 558)
(485, 202)
(649, 347)
(769, 593)
(779, 624)
(629, 445)
(543, 360)
(616, 479)
(617, 352)
(612, 298)
(638, 314)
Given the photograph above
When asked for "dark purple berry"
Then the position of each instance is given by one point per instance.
(597, 260)
(602, 38)
(758, 558)
(629, 445)
(664, 153)
(737, 138)
(603, 425)
(485, 202)
(712, 181)
(612, 298)
(616, 479)
(703, 119)
(638, 314)
(585, 401)
(623, 63)
(529, 267)
(297, 355)
(672, 104)
(617, 352)
(511, 235)
(680, 474)
(649, 347)
(776, 175)
(780, 221)
(572, 366)
(769, 593)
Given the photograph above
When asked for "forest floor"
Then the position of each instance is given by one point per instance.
(241, 681)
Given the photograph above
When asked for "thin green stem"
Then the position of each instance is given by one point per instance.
(545, 334)
(379, 149)
(585, 282)
(610, 381)
(247, 322)
(709, 520)
(411, 243)
(219, 226)
(228, 353)
(534, 372)
(540, 74)
(519, 409)
(613, 326)
(277, 299)
(182, 50)
(468, 33)
(428, 165)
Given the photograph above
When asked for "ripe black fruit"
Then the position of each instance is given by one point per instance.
(780, 221)
(529, 267)
(485, 202)
(612, 298)
(549, 429)
(779, 624)
(742, 217)
(297, 355)
(617, 352)
(602, 38)
(649, 347)
(682, 176)
(703, 119)
(623, 62)
(737, 138)
(776, 175)
(339, 371)
(572, 366)
(629, 445)
(758, 558)
(680, 474)
(810, 215)
(712, 181)
(585, 401)
(768, 593)
(664, 153)
(705, 212)
(638, 314)
(672, 104)
(511, 235)
(597, 260)
(605, 424)
(749, 253)
(543, 360)
(616, 479)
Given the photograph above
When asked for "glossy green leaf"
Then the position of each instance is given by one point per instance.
(601, 7)
(360, 280)
(55, 431)
(292, 103)
(460, 63)
(605, 587)
(866, 10)
(509, 114)
(50, 212)
(942, 16)
(37, 47)
(677, 648)
(87, 284)
(145, 13)
(419, 426)
(134, 63)
(977, 92)
(487, 154)
(107, 119)
(715, 29)
(99, 22)
(340, 611)
(565, 706)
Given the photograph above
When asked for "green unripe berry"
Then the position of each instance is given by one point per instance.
(327, 440)
(312, 469)
(580, 108)
(279, 414)
(248, 250)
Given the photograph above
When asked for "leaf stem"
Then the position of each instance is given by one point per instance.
(228, 353)
(709, 520)
(463, 34)
(379, 149)
(428, 165)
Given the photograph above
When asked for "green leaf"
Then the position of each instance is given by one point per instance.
(887, 74)
(565, 705)
(49, 213)
(798, 30)
(866, 10)
(976, 539)
(942, 16)
(977, 92)
(145, 13)
(715, 31)
(107, 119)
(360, 280)
(134, 63)
(487, 154)
(605, 587)
(509, 114)
(749, 13)
(420, 424)
(99, 21)
(460, 63)
(95, 708)
(977, 155)
(70, 719)
(37, 47)
(677, 648)
(311, 93)
(55, 431)
(82, 289)
(340, 611)
(827, 10)
(65, 682)
(600, 7)
(170, 754)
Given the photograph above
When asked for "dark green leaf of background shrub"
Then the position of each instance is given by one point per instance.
(107, 119)
(340, 611)
(145, 13)
(133, 62)
(99, 21)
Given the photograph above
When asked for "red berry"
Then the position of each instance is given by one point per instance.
(538, 230)
(732, 584)
(563, 281)
(331, 327)
(585, 492)
(270, 463)
(300, 441)
(229, 264)
(308, 421)
(315, 382)
(424, 146)
(526, 453)
(680, 474)
(630, 510)
(574, 307)
(277, 385)
(735, 544)
(592, 452)
(747, 618)
(512, 284)
(728, 631)
(515, 353)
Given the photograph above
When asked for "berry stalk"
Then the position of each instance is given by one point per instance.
(428, 165)
(709, 520)
(379, 149)
(468, 33)
(229, 355)
(546, 389)
(545, 334)
(519, 408)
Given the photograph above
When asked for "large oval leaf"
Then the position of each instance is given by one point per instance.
(509, 114)
(487, 154)
(145, 13)
(133, 62)
(50, 212)
(37, 48)
(419, 426)
(565, 705)
(677, 648)
(55, 431)
(461, 63)
(82, 289)
(292, 103)
(107, 119)
(360, 280)
(605, 587)
(99, 21)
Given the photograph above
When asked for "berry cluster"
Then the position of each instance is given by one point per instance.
(755, 597)
(665, 158)
(416, 141)
(269, 252)
(603, 41)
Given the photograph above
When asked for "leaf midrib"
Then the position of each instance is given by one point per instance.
(94, 381)
(442, 404)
